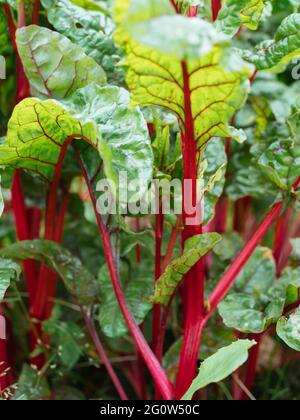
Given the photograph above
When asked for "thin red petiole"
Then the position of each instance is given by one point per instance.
(159, 376)
(102, 355)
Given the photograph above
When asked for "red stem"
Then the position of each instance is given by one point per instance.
(158, 260)
(34, 217)
(20, 215)
(21, 14)
(251, 365)
(194, 280)
(42, 306)
(176, 7)
(103, 356)
(22, 87)
(160, 378)
(221, 215)
(171, 245)
(216, 6)
(192, 11)
(138, 253)
(140, 365)
(62, 212)
(18, 200)
(36, 12)
(229, 277)
(47, 280)
(11, 24)
(162, 332)
(166, 312)
(281, 237)
(286, 252)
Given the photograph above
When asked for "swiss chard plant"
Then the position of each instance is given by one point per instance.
(150, 172)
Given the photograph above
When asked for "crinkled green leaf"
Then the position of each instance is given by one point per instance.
(287, 287)
(275, 54)
(137, 287)
(248, 309)
(256, 310)
(288, 330)
(31, 385)
(77, 279)
(229, 247)
(195, 248)
(219, 366)
(36, 133)
(89, 29)
(149, 23)
(156, 75)
(124, 141)
(213, 177)
(235, 13)
(253, 171)
(281, 163)
(249, 182)
(100, 115)
(9, 271)
(258, 274)
(66, 337)
(242, 312)
(53, 65)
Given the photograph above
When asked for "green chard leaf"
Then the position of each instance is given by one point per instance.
(281, 163)
(137, 288)
(235, 13)
(99, 115)
(288, 329)
(9, 271)
(195, 248)
(287, 287)
(31, 385)
(36, 133)
(220, 365)
(90, 29)
(276, 54)
(213, 176)
(163, 65)
(53, 65)
(77, 279)
(66, 336)
(261, 303)
(247, 309)
(124, 142)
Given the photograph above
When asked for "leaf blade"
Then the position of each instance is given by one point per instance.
(217, 367)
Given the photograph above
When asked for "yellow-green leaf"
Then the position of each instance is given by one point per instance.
(205, 79)
(277, 53)
(99, 115)
(235, 13)
(220, 365)
(195, 248)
